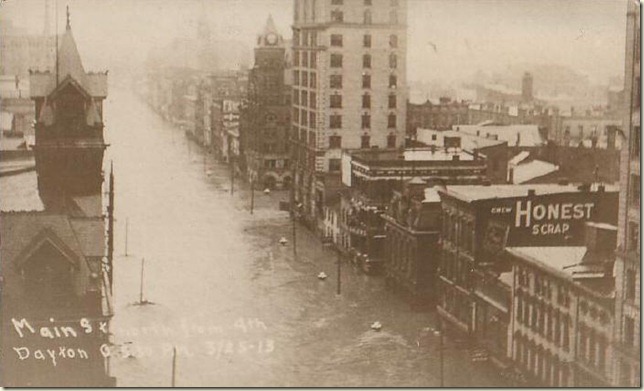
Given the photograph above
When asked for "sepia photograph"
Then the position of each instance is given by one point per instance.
(320, 193)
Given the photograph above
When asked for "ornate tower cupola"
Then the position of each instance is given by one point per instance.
(69, 126)
(270, 37)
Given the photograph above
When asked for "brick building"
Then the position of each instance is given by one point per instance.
(479, 222)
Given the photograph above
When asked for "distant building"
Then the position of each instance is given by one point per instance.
(440, 116)
(591, 129)
(266, 117)
(527, 91)
(349, 89)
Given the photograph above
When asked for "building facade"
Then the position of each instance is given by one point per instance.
(562, 320)
(349, 88)
(628, 268)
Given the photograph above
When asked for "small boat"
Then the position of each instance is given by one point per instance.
(322, 276)
(283, 241)
(376, 326)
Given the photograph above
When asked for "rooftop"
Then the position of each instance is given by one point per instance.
(411, 155)
(515, 135)
(471, 193)
(469, 142)
(533, 169)
(575, 263)
(20, 192)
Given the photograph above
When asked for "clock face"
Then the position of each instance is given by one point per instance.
(271, 39)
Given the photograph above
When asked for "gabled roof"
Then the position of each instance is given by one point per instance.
(69, 60)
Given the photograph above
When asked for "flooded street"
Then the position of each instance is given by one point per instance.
(240, 308)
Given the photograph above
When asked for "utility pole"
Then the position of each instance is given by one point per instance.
(174, 366)
(440, 330)
(252, 194)
(339, 288)
(127, 223)
(141, 287)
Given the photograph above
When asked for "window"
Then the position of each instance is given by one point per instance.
(629, 331)
(635, 190)
(636, 142)
(391, 141)
(337, 16)
(392, 102)
(334, 165)
(366, 40)
(313, 79)
(296, 58)
(312, 119)
(366, 121)
(296, 97)
(314, 60)
(336, 40)
(305, 59)
(335, 121)
(366, 81)
(393, 61)
(336, 60)
(312, 100)
(393, 17)
(335, 142)
(303, 118)
(391, 121)
(633, 236)
(336, 81)
(305, 79)
(393, 81)
(296, 78)
(366, 101)
(304, 98)
(305, 38)
(365, 141)
(366, 61)
(367, 17)
(630, 284)
(335, 101)
(314, 38)
(393, 41)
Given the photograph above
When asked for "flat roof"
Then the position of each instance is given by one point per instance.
(557, 259)
(471, 193)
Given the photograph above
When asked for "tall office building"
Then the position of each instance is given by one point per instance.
(349, 88)
(627, 265)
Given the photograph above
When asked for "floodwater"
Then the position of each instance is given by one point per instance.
(239, 308)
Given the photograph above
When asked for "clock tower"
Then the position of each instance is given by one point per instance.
(265, 121)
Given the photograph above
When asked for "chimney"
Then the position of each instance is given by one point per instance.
(511, 175)
(456, 158)
(584, 187)
(518, 138)
(531, 192)
(601, 188)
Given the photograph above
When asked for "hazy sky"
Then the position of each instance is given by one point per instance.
(468, 35)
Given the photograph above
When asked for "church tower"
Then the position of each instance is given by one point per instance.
(69, 127)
